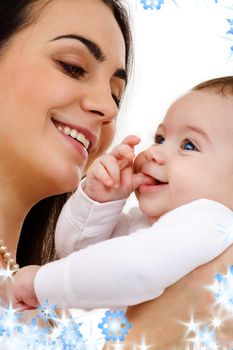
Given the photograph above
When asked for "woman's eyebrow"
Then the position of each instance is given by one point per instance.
(95, 50)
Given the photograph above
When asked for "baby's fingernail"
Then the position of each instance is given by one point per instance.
(116, 186)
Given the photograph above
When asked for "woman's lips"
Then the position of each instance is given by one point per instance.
(79, 147)
(89, 137)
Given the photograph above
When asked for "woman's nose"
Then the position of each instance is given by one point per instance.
(156, 153)
(99, 101)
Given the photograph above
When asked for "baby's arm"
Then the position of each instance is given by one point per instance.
(132, 269)
(92, 212)
(83, 220)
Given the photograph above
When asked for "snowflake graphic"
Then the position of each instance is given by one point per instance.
(230, 30)
(204, 337)
(223, 289)
(114, 325)
(156, 4)
(152, 4)
(16, 334)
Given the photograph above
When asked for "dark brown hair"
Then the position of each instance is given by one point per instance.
(36, 243)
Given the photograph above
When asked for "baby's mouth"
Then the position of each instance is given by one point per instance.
(158, 182)
(150, 180)
(152, 184)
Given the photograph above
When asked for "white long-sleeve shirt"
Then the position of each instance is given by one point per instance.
(111, 259)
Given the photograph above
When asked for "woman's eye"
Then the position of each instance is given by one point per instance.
(159, 139)
(72, 70)
(188, 145)
(117, 100)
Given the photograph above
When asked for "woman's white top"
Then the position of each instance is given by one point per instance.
(112, 259)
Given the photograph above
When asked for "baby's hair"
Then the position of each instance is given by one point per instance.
(222, 85)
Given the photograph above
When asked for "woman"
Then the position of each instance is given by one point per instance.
(63, 63)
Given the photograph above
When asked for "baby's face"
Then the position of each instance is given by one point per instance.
(192, 156)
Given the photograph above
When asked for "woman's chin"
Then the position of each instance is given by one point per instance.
(63, 183)
(68, 184)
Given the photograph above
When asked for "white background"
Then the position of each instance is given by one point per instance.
(176, 48)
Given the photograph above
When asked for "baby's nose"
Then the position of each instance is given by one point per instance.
(157, 154)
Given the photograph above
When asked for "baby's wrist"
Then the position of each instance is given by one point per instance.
(97, 197)
(90, 194)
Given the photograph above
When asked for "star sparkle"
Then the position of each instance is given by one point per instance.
(192, 326)
(142, 346)
(6, 273)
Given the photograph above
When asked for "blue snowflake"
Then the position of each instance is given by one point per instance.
(230, 30)
(223, 289)
(16, 334)
(152, 4)
(207, 337)
(114, 325)
(230, 21)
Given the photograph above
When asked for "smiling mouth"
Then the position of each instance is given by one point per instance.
(152, 181)
(78, 136)
(158, 182)
(74, 134)
(152, 184)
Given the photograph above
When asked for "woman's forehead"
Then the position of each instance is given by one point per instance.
(92, 19)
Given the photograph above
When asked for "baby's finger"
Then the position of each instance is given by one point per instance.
(131, 140)
(111, 165)
(140, 179)
(99, 173)
(123, 151)
(105, 170)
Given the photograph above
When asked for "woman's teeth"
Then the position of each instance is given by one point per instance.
(75, 135)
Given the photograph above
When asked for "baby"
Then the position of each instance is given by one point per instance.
(184, 186)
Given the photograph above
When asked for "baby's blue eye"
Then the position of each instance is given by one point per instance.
(159, 139)
(188, 145)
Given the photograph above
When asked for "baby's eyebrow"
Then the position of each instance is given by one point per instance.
(198, 130)
(160, 128)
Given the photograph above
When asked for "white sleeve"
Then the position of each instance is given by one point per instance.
(131, 269)
(83, 222)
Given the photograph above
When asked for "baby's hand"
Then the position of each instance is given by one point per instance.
(22, 291)
(111, 176)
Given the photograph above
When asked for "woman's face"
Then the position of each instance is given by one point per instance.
(62, 75)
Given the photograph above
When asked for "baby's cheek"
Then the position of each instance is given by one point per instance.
(182, 188)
